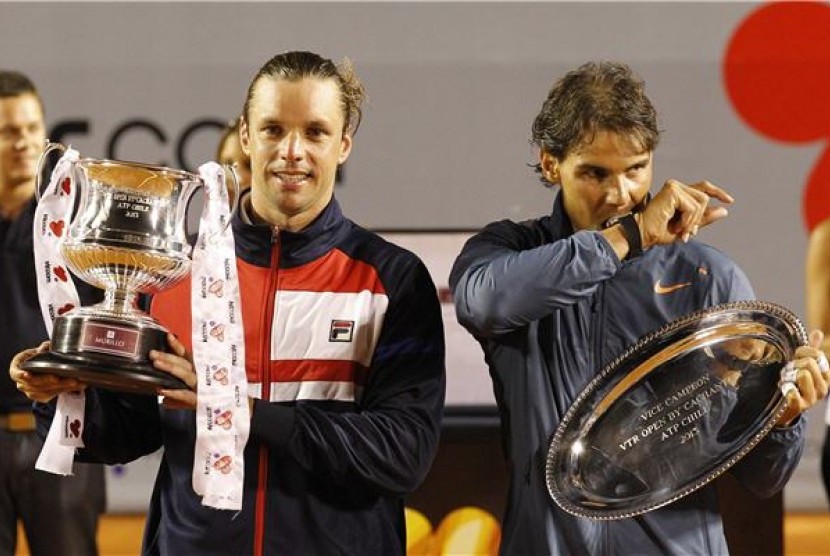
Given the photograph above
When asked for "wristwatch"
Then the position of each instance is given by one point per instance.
(630, 230)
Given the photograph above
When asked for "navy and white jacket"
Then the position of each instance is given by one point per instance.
(551, 308)
(345, 357)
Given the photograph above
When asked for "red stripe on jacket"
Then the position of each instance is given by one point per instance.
(172, 308)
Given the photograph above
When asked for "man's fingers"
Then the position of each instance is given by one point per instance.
(704, 213)
(692, 207)
(713, 191)
(42, 388)
(805, 380)
(713, 214)
(178, 399)
(679, 211)
(18, 359)
(812, 350)
(179, 363)
(689, 208)
(176, 345)
(175, 365)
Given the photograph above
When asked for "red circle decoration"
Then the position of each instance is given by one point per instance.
(777, 75)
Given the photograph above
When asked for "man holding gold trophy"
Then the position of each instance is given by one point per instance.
(338, 335)
(556, 302)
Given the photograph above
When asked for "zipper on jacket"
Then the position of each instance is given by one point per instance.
(598, 328)
(265, 364)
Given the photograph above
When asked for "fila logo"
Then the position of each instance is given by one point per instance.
(341, 331)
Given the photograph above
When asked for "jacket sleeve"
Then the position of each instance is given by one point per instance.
(767, 468)
(389, 442)
(500, 285)
(118, 427)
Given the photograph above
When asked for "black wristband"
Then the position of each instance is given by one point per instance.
(631, 231)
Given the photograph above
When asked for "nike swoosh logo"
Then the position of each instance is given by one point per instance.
(661, 289)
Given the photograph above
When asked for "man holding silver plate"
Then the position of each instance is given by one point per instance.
(630, 364)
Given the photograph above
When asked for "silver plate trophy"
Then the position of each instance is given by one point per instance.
(674, 411)
(127, 237)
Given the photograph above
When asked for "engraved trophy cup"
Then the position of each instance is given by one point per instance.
(127, 237)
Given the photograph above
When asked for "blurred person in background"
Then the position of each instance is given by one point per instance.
(817, 286)
(59, 514)
(230, 152)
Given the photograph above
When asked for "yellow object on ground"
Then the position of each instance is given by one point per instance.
(418, 533)
(469, 531)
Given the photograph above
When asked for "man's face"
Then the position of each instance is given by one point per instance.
(294, 136)
(22, 136)
(608, 176)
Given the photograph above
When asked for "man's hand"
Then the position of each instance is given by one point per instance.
(678, 211)
(180, 365)
(811, 373)
(40, 387)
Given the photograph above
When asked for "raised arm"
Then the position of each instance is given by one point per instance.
(508, 276)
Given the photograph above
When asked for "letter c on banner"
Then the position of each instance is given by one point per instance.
(188, 132)
(130, 125)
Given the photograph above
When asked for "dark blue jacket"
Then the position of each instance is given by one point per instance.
(551, 308)
(347, 417)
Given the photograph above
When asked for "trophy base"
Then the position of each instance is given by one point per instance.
(104, 372)
(92, 346)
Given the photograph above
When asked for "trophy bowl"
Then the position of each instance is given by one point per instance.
(127, 237)
(674, 411)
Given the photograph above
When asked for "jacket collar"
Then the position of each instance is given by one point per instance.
(559, 223)
(254, 241)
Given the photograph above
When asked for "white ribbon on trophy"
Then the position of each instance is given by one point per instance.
(218, 338)
(222, 414)
(57, 295)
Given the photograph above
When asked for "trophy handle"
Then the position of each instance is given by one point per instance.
(50, 146)
(237, 190)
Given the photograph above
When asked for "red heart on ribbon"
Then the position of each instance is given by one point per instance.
(57, 227)
(65, 309)
(66, 186)
(60, 273)
(75, 428)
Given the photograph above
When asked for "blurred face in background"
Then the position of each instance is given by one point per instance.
(230, 152)
(22, 137)
(293, 133)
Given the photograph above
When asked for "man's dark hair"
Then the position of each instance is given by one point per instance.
(13, 84)
(597, 96)
(294, 66)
